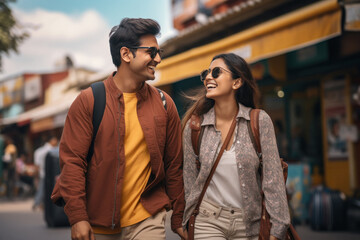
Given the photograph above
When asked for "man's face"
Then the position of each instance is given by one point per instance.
(142, 65)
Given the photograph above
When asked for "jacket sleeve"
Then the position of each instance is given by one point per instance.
(273, 183)
(173, 160)
(74, 146)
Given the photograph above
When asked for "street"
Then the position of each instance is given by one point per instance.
(19, 222)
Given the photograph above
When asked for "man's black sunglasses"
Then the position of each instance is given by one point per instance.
(215, 72)
(151, 50)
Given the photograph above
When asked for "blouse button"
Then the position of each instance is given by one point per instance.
(240, 166)
(243, 184)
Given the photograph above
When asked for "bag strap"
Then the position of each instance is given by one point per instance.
(226, 142)
(196, 135)
(99, 93)
(163, 99)
(196, 129)
(253, 128)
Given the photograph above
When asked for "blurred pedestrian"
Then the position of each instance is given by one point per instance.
(10, 154)
(39, 160)
(25, 174)
(135, 173)
(2, 148)
(232, 204)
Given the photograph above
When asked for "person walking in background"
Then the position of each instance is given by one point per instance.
(232, 204)
(10, 155)
(25, 174)
(135, 172)
(39, 160)
(2, 148)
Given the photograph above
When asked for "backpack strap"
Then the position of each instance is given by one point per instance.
(195, 126)
(196, 135)
(99, 93)
(253, 128)
(163, 99)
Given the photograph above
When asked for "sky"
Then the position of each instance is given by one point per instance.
(78, 28)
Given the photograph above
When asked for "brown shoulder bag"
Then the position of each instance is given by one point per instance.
(265, 224)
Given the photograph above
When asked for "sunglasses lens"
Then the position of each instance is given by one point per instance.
(216, 72)
(153, 52)
(203, 74)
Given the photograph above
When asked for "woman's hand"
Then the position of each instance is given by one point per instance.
(182, 233)
(273, 238)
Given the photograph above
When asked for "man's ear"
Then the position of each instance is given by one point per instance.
(125, 54)
(237, 83)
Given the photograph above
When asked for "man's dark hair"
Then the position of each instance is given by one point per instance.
(128, 33)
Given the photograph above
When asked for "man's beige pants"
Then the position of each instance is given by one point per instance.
(152, 228)
(219, 223)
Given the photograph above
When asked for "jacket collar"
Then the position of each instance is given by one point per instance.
(209, 117)
(141, 94)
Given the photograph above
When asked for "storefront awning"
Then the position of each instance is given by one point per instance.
(307, 26)
(46, 116)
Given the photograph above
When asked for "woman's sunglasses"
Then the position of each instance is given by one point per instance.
(153, 51)
(215, 72)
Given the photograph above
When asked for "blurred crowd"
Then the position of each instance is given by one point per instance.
(23, 173)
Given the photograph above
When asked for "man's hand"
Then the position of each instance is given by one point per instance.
(182, 233)
(82, 231)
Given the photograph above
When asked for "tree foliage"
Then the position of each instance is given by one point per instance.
(11, 33)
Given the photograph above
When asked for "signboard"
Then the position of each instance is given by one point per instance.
(32, 89)
(335, 116)
(11, 92)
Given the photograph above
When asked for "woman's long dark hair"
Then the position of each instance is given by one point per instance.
(247, 94)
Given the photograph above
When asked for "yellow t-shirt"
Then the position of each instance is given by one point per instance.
(137, 168)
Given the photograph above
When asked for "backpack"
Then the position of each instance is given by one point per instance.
(99, 93)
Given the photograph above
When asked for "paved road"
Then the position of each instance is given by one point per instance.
(19, 222)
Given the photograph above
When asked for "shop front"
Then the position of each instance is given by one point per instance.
(298, 59)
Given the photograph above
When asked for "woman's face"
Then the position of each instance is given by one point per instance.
(222, 84)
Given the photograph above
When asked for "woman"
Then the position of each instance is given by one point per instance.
(231, 207)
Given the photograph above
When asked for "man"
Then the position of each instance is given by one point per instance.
(39, 160)
(135, 173)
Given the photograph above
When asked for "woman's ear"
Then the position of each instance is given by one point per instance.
(237, 83)
(125, 54)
